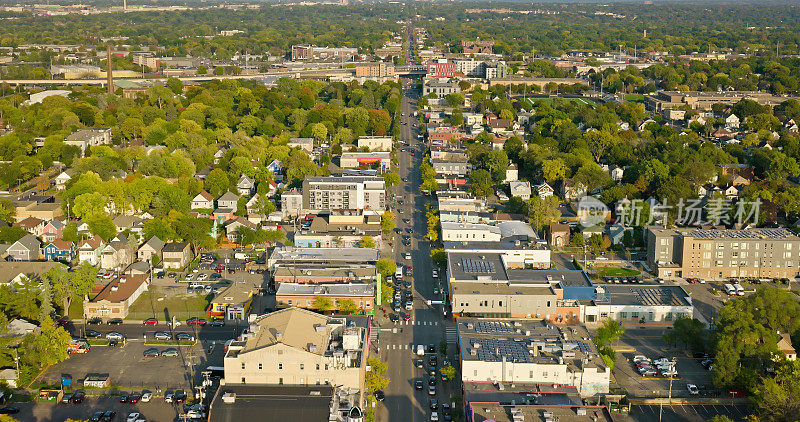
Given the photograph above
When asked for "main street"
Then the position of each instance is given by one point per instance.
(427, 324)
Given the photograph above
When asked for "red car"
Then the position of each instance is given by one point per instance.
(150, 321)
(196, 321)
(134, 398)
(406, 317)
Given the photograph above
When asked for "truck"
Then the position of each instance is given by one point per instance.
(240, 255)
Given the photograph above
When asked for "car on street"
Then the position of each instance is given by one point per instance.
(435, 273)
(133, 417)
(434, 416)
(93, 334)
(114, 336)
(432, 349)
(196, 321)
(407, 255)
(115, 321)
(150, 321)
(162, 335)
(432, 380)
(9, 410)
(95, 321)
(170, 352)
(151, 353)
(434, 404)
(379, 395)
(693, 390)
(418, 363)
(184, 337)
(431, 390)
(146, 397)
(418, 384)
(394, 318)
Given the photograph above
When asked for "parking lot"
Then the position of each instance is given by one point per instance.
(155, 410)
(648, 342)
(128, 369)
(685, 412)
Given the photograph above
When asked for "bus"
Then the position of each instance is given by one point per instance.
(739, 289)
(729, 289)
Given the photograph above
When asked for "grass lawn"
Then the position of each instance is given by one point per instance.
(75, 309)
(634, 97)
(182, 306)
(617, 272)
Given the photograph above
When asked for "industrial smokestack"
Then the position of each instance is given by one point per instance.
(109, 77)
(124, 5)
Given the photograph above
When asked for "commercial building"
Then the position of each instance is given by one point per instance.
(293, 257)
(304, 295)
(471, 68)
(652, 305)
(531, 351)
(298, 347)
(345, 273)
(375, 143)
(375, 70)
(280, 403)
(495, 70)
(453, 165)
(232, 303)
(291, 203)
(461, 204)
(441, 68)
(114, 300)
(376, 160)
(526, 402)
(697, 100)
(302, 52)
(344, 193)
(722, 254)
(477, 47)
(440, 87)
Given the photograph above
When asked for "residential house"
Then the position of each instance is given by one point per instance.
(228, 201)
(276, 167)
(722, 134)
(61, 181)
(153, 246)
(203, 201)
(512, 173)
(291, 203)
(739, 180)
(616, 233)
(90, 250)
(786, 348)
(86, 138)
(116, 254)
(245, 186)
(232, 226)
(32, 225)
(520, 190)
(115, 299)
(59, 250)
(571, 189)
(129, 222)
(616, 173)
(791, 126)
(558, 235)
(732, 122)
(28, 248)
(544, 190)
(176, 255)
(52, 230)
(731, 192)
(16, 272)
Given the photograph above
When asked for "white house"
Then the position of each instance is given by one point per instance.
(544, 190)
(520, 189)
(732, 122)
(203, 201)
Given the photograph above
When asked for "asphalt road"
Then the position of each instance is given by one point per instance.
(427, 325)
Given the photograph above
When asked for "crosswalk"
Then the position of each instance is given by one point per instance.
(398, 347)
(418, 323)
(451, 334)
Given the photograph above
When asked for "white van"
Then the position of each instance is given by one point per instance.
(729, 289)
(399, 271)
(420, 350)
(739, 289)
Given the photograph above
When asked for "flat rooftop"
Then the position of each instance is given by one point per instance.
(327, 289)
(728, 234)
(488, 267)
(269, 403)
(645, 295)
(534, 413)
(290, 254)
(526, 341)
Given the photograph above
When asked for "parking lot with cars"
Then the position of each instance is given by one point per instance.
(685, 412)
(147, 406)
(645, 363)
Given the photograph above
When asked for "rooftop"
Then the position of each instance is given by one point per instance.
(526, 341)
(649, 295)
(269, 403)
(534, 413)
(120, 288)
(289, 254)
(327, 289)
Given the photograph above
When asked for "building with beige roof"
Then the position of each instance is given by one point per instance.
(114, 300)
(299, 347)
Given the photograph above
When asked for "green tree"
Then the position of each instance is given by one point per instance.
(367, 242)
(376, 379)
(481, 183)
(347, 307)
(691, 332)
(449, 371)
(554, 170)
(391, 179)
(386, 267)
(387, 222)
(577, 240)
(778, 398)
(434, 226)
(439, 257)
(322, 304)
(217, 183)
(543, 212)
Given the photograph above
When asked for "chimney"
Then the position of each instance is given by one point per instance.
(109, 77)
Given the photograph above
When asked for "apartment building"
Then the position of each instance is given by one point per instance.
(303, 295)
(441, 68)
(471, 68)
(531, 351)
(722, 254)
(302, 52)
(477, 47)
(344, 193)
(663, 100)
(375, 70)
(298, 347)
(375, 143)
(85, 138)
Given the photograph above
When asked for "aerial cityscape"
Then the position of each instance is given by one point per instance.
(373, 211)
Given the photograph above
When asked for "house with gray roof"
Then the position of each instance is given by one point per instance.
(28, 248)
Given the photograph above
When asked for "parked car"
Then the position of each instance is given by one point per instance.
(93, 334)
(196, 321)
(151, 353)
(95, 321)
(9, 410)
(692, 389)
(134, 398)
(170, 352)
(115, 321)
(78, 397)
(123, 398)
(184, 337)
(217, 323)
(146, 397)
(161, 335)
(150, 321)
(114, 336)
